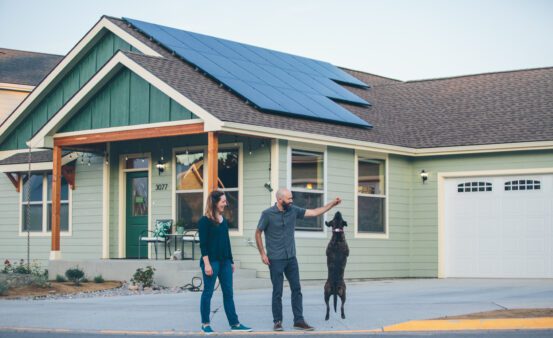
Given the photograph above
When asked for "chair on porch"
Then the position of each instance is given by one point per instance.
(162, 228)
(193, 237)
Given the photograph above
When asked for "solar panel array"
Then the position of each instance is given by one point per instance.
(273, 81)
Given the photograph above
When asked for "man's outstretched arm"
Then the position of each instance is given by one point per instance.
(319, 211)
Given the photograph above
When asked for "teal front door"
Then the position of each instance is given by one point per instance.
(137, 213)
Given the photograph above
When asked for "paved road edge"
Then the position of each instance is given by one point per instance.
(472, 324)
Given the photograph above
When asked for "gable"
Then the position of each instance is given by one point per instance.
(71, 81)
(126, 100)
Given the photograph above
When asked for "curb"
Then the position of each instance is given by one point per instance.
(538, 323)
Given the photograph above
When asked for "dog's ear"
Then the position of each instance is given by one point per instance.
(328, 224)
(345, 223)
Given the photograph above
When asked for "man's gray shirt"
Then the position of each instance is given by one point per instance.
(279, 227)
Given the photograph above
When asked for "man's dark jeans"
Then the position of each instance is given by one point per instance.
(223, 270)
(290, 268)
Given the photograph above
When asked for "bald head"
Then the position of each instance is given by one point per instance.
(282, 193)
(284, 198)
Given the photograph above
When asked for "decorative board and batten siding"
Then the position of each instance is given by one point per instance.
(70, 81)
(424, 201)
(85, 239)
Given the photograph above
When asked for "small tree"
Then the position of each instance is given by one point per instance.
(144, 277)
(75, 275)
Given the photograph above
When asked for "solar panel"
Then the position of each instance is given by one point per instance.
(273, 81)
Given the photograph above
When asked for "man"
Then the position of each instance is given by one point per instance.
(279, 223)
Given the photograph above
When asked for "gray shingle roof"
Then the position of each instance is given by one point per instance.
(25, 68)
(36, 157)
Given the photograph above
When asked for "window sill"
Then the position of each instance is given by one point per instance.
(45, 234)
(310, 234)
(369, 235)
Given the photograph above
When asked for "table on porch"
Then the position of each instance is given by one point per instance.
(190, 236)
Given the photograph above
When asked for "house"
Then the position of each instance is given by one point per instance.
(447, 177)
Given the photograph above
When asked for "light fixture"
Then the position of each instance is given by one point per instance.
(309, 186)
(268, 186)
(424, 176)
(160, 167)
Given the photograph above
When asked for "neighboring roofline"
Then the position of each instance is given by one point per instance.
(104, 23)
(28, 51)
(16, 87)
(254, 130)
(44, 137)
(35, 166)
(478, 74)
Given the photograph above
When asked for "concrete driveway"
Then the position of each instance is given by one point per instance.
(370, 305)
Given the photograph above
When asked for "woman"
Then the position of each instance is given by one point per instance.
(217, 261)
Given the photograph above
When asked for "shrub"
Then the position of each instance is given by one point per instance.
(3, 288)
(7, 266)
(21, 268)
(60, 279)
(75, 275)
(99, 279)
(40, 280)
(144, 277)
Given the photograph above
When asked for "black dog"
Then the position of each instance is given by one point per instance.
(337, 253)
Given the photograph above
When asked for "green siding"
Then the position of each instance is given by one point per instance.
(71, 80)
(126, 100)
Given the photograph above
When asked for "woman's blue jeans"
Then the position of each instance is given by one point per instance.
(223, 271)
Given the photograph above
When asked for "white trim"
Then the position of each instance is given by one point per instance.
(44, 203)
(379, 147)
(442, 176)
(16, 87)
(315, 148)
(44, 137)
(274, 168)
(24, 167)
(385, 158)
(82, 47)
(105, 204)
(123, 198)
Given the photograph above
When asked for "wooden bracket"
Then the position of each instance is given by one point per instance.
(68, 172)
(16, 181)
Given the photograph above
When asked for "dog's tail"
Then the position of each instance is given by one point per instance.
(335, 296)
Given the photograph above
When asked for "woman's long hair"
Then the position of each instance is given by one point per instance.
(211, 207)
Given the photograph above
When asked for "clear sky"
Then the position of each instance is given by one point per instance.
(402, 39)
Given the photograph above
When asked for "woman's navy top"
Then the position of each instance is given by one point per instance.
(214, 239)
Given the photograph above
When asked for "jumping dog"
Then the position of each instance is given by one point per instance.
(337, 253)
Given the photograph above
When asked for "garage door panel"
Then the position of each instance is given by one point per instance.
(506, 232)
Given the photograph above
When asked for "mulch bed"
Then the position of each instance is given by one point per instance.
(510, 313)
(58, 288)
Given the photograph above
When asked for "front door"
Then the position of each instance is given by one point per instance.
(137, 213)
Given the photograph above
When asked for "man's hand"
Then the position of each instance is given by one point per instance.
(265, 259)
(208, 270)
(232, 268)
(336, 201)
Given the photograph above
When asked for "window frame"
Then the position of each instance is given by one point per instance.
(45, 203)
(240, 189)
(386, 196)
(309, 148)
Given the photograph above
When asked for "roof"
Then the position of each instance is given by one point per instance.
(494, 108)
(39, 156)
(25, 68)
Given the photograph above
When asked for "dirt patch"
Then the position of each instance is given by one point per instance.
(58, 289)
(513, 313)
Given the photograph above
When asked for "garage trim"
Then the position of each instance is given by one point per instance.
(441, 177)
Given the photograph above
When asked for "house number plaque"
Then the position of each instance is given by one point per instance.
(162, 186)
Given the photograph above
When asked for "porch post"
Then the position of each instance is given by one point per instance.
(212, 160)
(56, 198)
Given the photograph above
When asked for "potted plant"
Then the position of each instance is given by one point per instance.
(180, 227)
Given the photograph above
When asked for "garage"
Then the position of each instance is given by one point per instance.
(499, 226)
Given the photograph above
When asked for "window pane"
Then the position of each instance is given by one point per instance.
(35, 186)
(189, 171)
(64, 217)
(231, 211)
(309, 200)
(190, 208)
(371, 177)
(64, 188)
(140, 196)
(370, 214)
(228, 169)
(136, 163)
(35, 217)
(307, 170)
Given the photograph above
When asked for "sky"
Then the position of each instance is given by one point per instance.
(400, 39)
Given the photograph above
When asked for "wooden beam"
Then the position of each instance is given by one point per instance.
(56, 197)
(134, 134)
(212, 160)
(16, 181)
(68, 172)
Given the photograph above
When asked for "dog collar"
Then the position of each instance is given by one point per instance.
(337, 230)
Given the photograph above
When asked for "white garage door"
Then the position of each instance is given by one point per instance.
(500, 226)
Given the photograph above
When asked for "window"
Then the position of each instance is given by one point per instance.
(37, 202)
(371, 196)
(474, 187)
(190, 185)
(522, 185)
(307, 185)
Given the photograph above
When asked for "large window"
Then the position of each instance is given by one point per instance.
(36, 204)
(307, 185)
(371, 196)
(190, 185)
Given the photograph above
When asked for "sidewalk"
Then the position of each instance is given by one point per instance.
(383, 305)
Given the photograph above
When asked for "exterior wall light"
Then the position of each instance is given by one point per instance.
(160, 167)
(424, 176)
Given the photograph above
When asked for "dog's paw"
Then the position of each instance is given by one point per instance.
(327, 317)
(343, 316)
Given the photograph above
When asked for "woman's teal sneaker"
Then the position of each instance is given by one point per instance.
(207, 329)
(240, 328)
